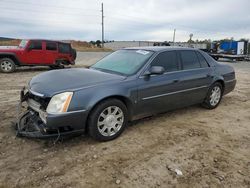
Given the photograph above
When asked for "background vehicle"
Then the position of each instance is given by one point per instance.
(125, 85)
(36, 53)
(234, 50)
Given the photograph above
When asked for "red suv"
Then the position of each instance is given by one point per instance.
(36, 53)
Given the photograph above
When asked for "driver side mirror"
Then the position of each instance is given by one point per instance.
(155, 70)
(29, 48)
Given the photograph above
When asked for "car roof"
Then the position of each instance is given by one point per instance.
(159, 48)
(46, 40)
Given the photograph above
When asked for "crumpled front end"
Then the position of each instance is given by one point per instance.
(30, 125)
(33, 120)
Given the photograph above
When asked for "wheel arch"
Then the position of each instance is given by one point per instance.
(221, 81)
(126, 101)
(11, 56)
(62, 61)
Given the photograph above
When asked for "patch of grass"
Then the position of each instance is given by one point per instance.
(14, 42)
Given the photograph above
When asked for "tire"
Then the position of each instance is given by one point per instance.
(57, 65)
(214, 96)
(112, 117)
(7, 65)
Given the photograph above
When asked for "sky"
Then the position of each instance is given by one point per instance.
(152, 20)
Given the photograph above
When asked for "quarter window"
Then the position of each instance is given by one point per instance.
(167, 60)
(64, 48)
(36, 45)
(189, 60)
(51, 46)
(202, 60)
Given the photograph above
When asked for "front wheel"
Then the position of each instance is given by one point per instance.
(214, 96)
(7, 65)
(108, 120)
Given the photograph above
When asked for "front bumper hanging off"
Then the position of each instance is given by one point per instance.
(29, 125)
(35, 123)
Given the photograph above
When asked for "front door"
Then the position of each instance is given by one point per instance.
(156, 93)
(34, 53)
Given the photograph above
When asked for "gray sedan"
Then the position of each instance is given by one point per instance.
(126, 85)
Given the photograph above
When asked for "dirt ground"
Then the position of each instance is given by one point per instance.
(210, 147)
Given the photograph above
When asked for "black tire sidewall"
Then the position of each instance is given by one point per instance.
(9, 60)
(207, 103)
(93, 118)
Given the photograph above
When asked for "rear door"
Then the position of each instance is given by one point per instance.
(195, 78)
(51, 52)
(64, 50)
(156, 93)
(34, 53)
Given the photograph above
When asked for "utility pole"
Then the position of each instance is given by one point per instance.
(174, 36)
(102, 27)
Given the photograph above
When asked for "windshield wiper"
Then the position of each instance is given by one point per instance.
(108, 71)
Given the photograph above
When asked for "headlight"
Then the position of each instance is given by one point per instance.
(59, 103)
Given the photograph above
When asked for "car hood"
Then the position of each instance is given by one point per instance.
(52, 82)
(9, 48)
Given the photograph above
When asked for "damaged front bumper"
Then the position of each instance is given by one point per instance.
(34, 122)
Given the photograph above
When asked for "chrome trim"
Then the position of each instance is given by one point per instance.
(36, 93)
(43, 114)
(230, 80)
(70, 112)
(37, 107)
(171, 93)
(34, 105)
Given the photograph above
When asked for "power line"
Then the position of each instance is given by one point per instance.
(46, 5)
(47, 12)
(38, 21)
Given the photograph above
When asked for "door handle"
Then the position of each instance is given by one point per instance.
(175, 81)
(210, 76)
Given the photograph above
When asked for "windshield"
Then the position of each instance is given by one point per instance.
(23, 43)
(125, 62)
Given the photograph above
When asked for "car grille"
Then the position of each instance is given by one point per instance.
(42, 102)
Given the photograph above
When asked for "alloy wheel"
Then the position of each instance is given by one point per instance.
(110, 121)
(215, 96)
(6, 66)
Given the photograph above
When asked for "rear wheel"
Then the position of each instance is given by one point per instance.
(214, 96)
(57, 65)
(108, 120)
(7, 65)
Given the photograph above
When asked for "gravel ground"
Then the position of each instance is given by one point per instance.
(190, 147)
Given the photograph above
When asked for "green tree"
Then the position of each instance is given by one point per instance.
(98, 43)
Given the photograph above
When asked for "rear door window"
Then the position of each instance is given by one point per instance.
(64, 48)
(51, 46)
(35, 45)
(168, 60)
(189, 60)
(202, 60)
